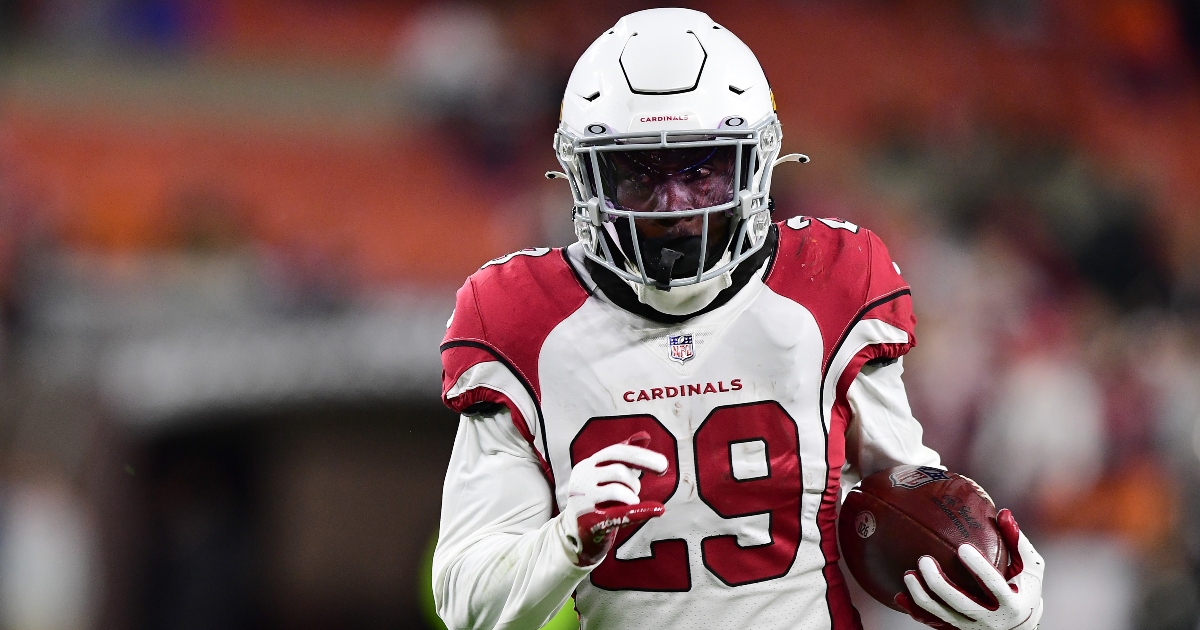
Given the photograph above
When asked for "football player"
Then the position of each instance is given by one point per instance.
(659, 419)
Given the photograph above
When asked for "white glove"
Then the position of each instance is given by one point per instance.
(1019, 598)
(602, 496)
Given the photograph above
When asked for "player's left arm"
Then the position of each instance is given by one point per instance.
(881, 433)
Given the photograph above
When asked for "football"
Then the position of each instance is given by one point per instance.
(895, 516)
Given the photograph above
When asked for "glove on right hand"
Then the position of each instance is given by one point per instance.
(602, 496)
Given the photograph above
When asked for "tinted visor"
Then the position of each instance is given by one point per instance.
(664, 180)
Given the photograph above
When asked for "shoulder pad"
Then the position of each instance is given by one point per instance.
(841, 273)
(505, 311)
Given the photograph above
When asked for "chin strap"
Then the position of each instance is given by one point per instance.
(666, 264)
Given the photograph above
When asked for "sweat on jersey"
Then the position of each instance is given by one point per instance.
(757, 405)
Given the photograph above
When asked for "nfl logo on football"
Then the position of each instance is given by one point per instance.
(916, 477)
(681, 347)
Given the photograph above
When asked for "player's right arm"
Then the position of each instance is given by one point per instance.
(501, 559)
(882, 431)
(505, 557)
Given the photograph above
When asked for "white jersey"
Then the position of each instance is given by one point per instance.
(758, 405)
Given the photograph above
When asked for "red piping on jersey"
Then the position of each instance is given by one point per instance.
(841, 609)
(831, 272)
(510, 309)
(871, 302)
(837, 595)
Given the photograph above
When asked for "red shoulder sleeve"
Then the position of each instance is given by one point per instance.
(842, 274)
(889, 299)
(504, 312)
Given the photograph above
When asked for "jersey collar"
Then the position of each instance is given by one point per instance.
(618, 292)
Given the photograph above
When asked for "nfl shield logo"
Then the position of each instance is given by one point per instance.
(916, 477)
(681, 347)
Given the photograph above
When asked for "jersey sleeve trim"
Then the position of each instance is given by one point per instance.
(862, 315)
(488, 394)
(479, 344)
(462, 401)
(493, 375)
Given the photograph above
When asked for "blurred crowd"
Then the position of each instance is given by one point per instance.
(1030, 164)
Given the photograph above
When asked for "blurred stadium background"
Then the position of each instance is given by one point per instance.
(230, 233)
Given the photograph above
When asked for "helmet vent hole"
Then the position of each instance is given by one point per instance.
(716, 28)
(594, 97)
(736, 90)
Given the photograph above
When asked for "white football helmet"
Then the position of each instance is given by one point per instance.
(666, 102)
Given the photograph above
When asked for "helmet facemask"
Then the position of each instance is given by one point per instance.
(672, 208)
(665, 181)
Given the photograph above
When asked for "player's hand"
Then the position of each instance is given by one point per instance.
(602, 496)
(1018, 592)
